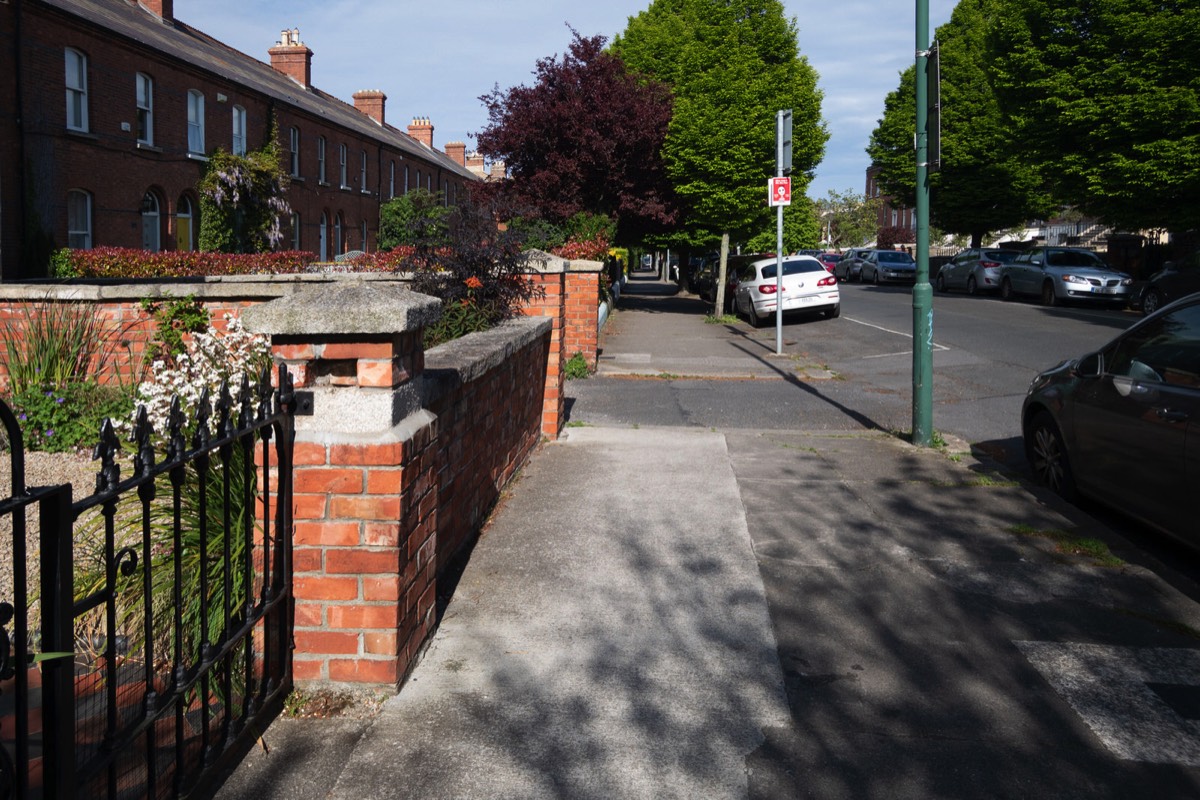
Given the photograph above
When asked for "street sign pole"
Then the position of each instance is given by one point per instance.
(783, 166)
(922, 302)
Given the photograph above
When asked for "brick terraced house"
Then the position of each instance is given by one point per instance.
(110, 108)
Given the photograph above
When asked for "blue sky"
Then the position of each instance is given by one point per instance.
(434, 59)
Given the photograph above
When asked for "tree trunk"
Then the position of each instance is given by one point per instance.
(721, 272)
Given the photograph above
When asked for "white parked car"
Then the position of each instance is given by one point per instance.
(807, 286)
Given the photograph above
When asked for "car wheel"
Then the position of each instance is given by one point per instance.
(1152, 301)
(1006, 290)
(972, 287)
(1049, 298)
(755, 319)
(1047, 454)
(836, 311)
(940, 285)
(875, 277)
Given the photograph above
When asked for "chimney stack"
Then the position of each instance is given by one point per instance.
(457, 152)
(499, 171)
(163, 9)
(291, 57)
(422, 130)
(475, 164)
(370, 102)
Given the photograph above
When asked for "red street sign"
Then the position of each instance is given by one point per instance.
(779, 192)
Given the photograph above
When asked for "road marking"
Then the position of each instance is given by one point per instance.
(1142, 703)
(936, 346)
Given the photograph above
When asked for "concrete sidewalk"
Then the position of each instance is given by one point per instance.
(688, 613)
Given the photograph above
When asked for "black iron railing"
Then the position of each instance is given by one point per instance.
(154, 645)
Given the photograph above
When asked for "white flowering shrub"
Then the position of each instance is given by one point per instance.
(209, 359)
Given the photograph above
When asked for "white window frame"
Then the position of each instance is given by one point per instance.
(337, 234)
(321, 145)
(362, 171)
(76, 83)
(323, 238)
(79, 220)
(144, 98)
(406, 178)
(392, 181)
(151, 222)
(344, 156)
(195, 121)
(294, 141)
(238, 147)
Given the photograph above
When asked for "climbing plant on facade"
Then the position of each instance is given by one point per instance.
(243, 200)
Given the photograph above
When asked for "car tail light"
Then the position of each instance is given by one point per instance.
(766, 288)
(830, 281)
(988, 264)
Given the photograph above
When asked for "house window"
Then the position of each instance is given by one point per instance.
(294, 140)
(295, 228)
(362, 172)
(185, 230)
(418, 179)
(323, 238)
(321, 159)
(77, 91)
(406, 178)
(392, 181)
(151, 239)
(239, 131)
(79, 220)
(345, 175)
(362, 245)
(145, 109)
(337, 235)
(195, 123)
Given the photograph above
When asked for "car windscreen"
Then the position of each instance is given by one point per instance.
(798, 267)
(832, 258)
(894, 257)
(1074, 258)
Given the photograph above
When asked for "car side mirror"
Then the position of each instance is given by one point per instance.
(1169, 266)
(1088, 366)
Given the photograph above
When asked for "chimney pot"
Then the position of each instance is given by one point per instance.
(292, 57)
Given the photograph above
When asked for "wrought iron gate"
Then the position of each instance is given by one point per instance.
(145, 641)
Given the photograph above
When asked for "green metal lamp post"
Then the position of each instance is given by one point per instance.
(922, 372)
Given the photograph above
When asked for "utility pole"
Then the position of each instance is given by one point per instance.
(922, 303)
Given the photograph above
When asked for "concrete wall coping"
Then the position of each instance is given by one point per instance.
(345, 308)
(467, 358)
(547, 263)
(216, 287)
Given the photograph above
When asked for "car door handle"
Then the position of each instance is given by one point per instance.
(1171, 415)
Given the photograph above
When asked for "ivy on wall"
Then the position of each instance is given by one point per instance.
(243, 200)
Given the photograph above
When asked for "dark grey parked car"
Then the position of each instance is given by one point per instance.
(1176, 279)
(888, 266)
(1122, 425)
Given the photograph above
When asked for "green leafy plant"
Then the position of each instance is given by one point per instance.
(52, 344)
(243, 200)
(416, 218)
(174, 318)
(576, 367)
(68, 417)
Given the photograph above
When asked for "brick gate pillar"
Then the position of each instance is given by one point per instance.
(365, 493)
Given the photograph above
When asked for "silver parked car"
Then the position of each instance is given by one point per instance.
(975, 269)
(849, 266)
(807, 286)
(888, 266)
(1122, 425)
(1060, 274)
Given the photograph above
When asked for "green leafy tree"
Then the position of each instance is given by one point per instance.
(731, 65)
(801, 229)
(416, 218)
(1105, 97)
(847, 218)
(986, 181)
